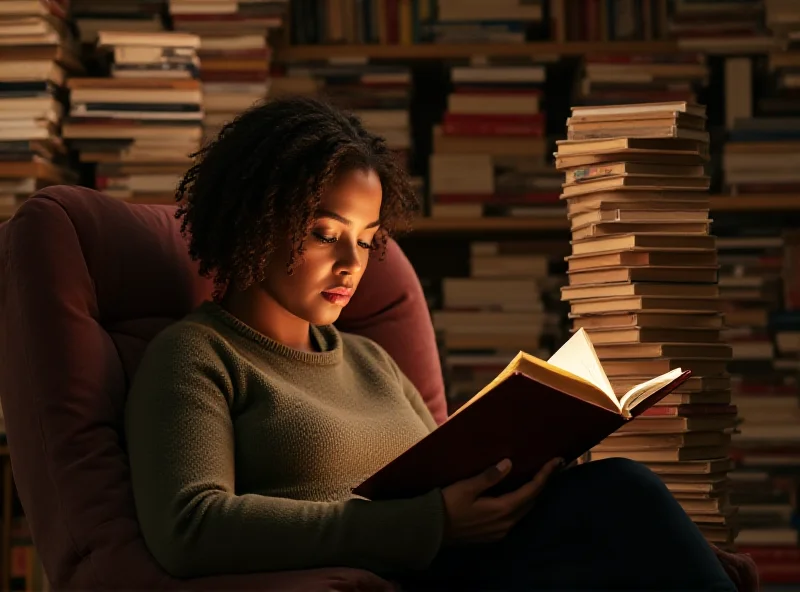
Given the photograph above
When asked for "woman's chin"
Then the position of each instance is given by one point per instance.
(324, 315)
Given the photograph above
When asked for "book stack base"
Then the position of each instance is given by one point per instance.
(643, 285)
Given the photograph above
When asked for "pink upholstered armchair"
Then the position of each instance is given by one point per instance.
(85, 282)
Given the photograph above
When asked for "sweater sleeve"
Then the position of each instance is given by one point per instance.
(182, 454)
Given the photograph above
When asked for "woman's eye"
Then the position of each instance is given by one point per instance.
(364, 245)
(324, 239)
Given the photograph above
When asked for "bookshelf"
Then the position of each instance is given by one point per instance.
(442, 243)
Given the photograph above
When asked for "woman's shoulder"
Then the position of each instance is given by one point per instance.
(192, 336)
(361, 345)
(365, 351)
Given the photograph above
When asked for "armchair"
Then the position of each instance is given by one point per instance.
(85, 282)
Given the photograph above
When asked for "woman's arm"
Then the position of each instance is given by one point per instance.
(181, 447)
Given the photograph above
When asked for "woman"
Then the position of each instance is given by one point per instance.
(249, 421)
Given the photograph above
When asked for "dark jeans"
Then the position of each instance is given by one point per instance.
(605, 525)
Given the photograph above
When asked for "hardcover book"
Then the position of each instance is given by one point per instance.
(533, 411)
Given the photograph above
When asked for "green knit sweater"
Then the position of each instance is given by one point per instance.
(243, 452)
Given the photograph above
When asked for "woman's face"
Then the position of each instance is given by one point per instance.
(335, 254)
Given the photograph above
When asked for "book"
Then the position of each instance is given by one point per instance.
(646, 182)
(630, 145)
(640, 109)
(533, 411)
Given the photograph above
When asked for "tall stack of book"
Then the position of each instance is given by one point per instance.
(643, 284)
(235, 55)
(489, 151)
(37, 53)
(141, 123)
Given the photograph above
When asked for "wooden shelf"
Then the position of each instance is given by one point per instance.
(435, 51)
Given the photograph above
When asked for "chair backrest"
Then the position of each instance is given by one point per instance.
(85, 282)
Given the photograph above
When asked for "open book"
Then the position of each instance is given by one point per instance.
(576, 370)
(534, 410)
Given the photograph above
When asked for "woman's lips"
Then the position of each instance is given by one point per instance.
(339, 296)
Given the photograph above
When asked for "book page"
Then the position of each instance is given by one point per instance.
(578, 357)
(643, 390)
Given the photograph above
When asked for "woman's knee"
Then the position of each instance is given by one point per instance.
(625, 468)
(626, 475)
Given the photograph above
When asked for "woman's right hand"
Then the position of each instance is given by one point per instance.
(475, 519)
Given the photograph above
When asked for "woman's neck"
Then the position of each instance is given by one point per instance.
(257, 309)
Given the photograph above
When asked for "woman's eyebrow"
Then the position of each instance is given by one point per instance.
(342, 219)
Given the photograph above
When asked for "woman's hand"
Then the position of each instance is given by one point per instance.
(475, 519)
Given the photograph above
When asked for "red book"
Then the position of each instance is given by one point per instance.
(459, 124)
(533, 411)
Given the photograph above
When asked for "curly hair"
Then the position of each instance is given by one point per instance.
(262, 179)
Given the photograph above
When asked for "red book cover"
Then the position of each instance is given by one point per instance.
(532, 412)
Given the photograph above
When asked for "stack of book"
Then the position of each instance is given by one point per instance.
(141, 123)
(721, 27)
(507, 302)
(643, 284)
(489, 150)
(37, 53)
(629, 78)
(379, 94)
(235, 55)
(762, 154)
(131, 16)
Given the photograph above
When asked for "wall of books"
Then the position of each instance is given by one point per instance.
(475, 97)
